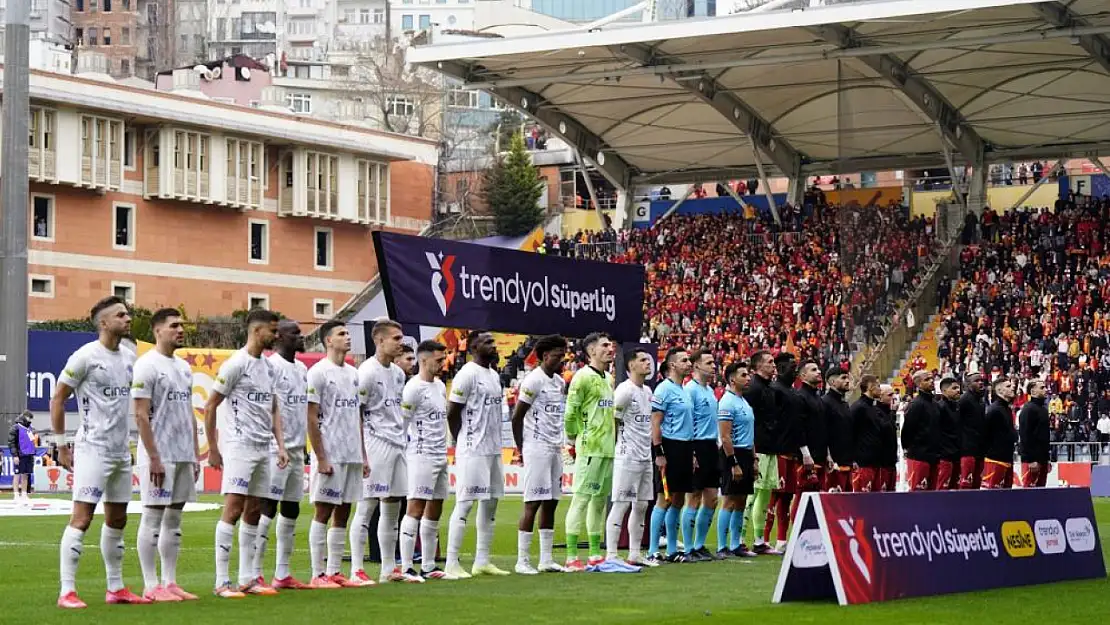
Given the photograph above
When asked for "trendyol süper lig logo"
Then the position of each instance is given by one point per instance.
(441, 273)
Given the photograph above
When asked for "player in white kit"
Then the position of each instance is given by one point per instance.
(538, 432)
(632, 469)
(407, 361)
(168, 453)
(335, 429)
(286, 483)
(99, 374)
(474, 417)
(424, 405)
(381, 383)
(247, 382)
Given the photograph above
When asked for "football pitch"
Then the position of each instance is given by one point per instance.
(729, 591)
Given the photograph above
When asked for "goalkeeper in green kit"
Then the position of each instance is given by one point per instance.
(591, 430)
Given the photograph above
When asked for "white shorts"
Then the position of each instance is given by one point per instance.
(344, 485)
(247, 471)
(288, 484)
(543, 475)
(97, 477)
(178, 486)
(632, 480)
(388, 470)
(478, 478)
(428, 478)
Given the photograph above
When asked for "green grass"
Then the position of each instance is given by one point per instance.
(729, 591)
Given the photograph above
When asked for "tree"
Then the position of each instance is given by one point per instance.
(396, 96)
(513, 188)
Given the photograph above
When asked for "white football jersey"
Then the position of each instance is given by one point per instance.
(632, 409)
(335, 389)
(543, 425)
(424, 406)
(292, 398)
(168, 383)
(479, 389)
(381, 388)
(248, 384)
(101, 382)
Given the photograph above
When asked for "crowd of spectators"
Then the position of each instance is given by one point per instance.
(1031, 298)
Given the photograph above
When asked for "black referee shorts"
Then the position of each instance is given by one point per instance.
(746, 484)
(680, 467)
(707, 474)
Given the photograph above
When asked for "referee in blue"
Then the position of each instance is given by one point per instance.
(736, 424)
(672, 434)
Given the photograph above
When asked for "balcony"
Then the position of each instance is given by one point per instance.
(101, 153)
(178, 165)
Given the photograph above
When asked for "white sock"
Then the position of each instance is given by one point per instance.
(636, 529)
(547, 545)
(286, 538)
(69, 552)
(150, 526)
(337, 537)
(429, 539)
(409, 527)
(613, 525)
(260, 544)
(456, 530)
(360, 532)
(247, 535)
(111, 549)
(225, 535)
(387, 535)
(317, 546)
(169, 545)
(487, 512)
(523, 546)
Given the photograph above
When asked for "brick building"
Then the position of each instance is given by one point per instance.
(171, 199)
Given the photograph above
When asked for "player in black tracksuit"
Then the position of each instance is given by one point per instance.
(919, 434)
(838, 420)
(815, 436)
(1000, 436)
(948, 436)
(1033, 426)
(888, 469)
(791, 437)
(867, 433)
(973, 409)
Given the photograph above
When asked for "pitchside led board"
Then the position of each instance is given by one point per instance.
(443, 283)
(869, 547)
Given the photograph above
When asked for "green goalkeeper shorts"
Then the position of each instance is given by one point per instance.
(768, 472)
(593, 476)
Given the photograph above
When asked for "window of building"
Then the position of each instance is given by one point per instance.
(406, 21)
(40, 286)
(129, 142)
(107, 36)
(125, 67)
(80, 5)
(107, 4)
(92, 40)
(41, 129)
(441, 1)
(400, 105)
(125, 36)
(379, 16)
(323, 248)
(258, 300)
(92, 5)
(349, 15)
(123, 226)
(42, 217)
(425, 22)
(79, 36)
(124, 290)
(126, 5)
(322, 308)
(406, 1)
(463, 98)
(299, 102)
(259, 242)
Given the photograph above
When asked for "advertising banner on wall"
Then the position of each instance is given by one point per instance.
(47, 352)
(869, 547)
(444, 283)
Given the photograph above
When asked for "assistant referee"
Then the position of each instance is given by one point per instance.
(672, 447)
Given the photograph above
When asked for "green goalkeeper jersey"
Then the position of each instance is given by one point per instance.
(589, 413)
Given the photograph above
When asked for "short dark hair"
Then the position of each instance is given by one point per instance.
(549, 343)
(998, 382)
(783, 361)
(592, 338)
(969, 378)
(382, 325)
(406, 348)
(430, 346)
(808, 361)
(947, 382)
(106, 302)
(633, 354)
(328, 326)
(866, 382)
(696, 356)
(162, 315)
(473, 336)
(667, 358)
(261, 315)
(733, 367)
(833, 372)
(758, 357)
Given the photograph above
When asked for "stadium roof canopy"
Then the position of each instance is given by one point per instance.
(844, 88)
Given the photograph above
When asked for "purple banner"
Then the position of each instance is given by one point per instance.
(883, 546)
(462, 285)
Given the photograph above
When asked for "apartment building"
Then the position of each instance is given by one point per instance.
(49, 20)
(170, 198)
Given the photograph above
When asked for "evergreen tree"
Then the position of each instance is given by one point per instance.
(513, 188)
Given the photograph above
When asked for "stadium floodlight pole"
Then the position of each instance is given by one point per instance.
(13, 237)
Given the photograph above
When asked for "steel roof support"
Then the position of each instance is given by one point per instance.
(1059, 15)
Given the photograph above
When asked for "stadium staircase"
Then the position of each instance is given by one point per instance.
(925, 346)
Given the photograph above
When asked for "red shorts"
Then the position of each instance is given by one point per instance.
(865, 480)
(971, 472)
(918, 474)
(839, 481)
(941, 477)
(888, 479)
(811, 480)
(997, 474)
(787, 474)
(1034, 478)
